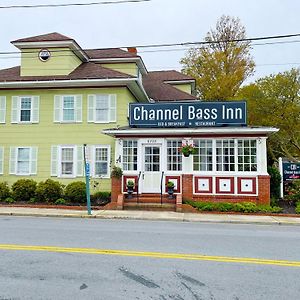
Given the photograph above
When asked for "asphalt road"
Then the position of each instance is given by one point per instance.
(52, 258)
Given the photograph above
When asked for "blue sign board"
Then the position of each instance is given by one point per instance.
(187, 114)
(87, 169)
(291, 170)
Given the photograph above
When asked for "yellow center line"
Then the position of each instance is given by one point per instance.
(245, 260)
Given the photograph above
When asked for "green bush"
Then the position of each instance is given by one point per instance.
(60, 201)
(293, 191)
(4, 191)
(244, 207)
(9, 200)
(49, 191)
(297, 209)
(100, 198)
(275, 181)
(75, 192)
(23, 189)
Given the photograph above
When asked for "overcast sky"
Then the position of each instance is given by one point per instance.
(157, 22)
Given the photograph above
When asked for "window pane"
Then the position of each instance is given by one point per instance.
(67, 161)
(129, 155)
(101, 161)
(174, 156)
(23, 161)
(67, 168)
(247, 155)
(203, 156)
(68, 108)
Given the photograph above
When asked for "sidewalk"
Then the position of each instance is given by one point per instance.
(150, 215)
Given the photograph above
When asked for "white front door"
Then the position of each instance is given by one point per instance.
(151, 172)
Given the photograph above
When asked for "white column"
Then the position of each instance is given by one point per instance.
(281, 173)
(262, 164)
(118, 153)
(187, 164)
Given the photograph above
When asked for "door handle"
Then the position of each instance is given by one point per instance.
(143, 175)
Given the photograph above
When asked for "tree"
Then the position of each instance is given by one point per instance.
(275, 101)
(223, 64)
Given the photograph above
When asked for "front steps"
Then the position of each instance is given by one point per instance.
(152, 202)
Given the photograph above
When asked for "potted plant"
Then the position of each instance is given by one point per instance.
(130, 187)
(170, 188)
(187, 150)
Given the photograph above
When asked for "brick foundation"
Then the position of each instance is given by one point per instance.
(264, 189)
(116, 186)
(187, 186)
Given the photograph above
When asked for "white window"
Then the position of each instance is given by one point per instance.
(225, 155)
(101, 161)
(23, 160)
(25, 109)
(1, 159)
(174, 157)
(102, 108)
(203, 158)
(68, 108)
(129, 155)
(67, 161)
(2, 109)
(247, 155)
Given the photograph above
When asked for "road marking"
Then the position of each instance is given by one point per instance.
(243, 260)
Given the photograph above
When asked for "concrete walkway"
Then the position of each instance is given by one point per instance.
(150, 215)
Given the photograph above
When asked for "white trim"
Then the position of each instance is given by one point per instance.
(212, 131)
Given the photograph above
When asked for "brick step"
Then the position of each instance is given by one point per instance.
(149, 207)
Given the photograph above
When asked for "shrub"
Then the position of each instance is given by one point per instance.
(60, 201)
(100, 198)
(23, 189)
(293, 190)
(9, 200)
(116, 172)
(297, 209)
(244, 207)
(32, 200)
(4, 191)
(75, 192)
(275, 181)
(49, 191)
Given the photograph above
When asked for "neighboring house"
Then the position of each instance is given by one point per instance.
(63, 96)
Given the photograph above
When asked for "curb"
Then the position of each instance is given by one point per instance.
(184, 217)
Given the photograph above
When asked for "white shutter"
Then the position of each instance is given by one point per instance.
(12, 160)
(79, 164)
(2, 109)
(78, 108)
(54, 160)
(91, 108)
(57, 109)
(15, 109)
(33, 160)
(35, 109)
(112, 108)
(1, 159)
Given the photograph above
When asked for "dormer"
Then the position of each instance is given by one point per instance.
(49, 54)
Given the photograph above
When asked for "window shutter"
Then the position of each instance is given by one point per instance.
(1, 159)
(54, 160)
(78, 108)
(15, 109)
(91, 150)
(2, 109)
(91, 108)
(12, 160)
(33, 160)
(57, 109)
(79, 165)
(113, 108)
(35, 109)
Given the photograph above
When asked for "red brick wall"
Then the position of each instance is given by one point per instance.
(187, 186)
(264, 189)
(225, 198)
(116, 185)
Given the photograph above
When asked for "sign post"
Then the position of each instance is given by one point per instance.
(87, 179)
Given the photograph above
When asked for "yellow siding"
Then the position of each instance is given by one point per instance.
(47, 133)
(184, 87)
(127, 68)
(62, 62)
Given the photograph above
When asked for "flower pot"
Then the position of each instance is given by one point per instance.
(170, 192)
(129, 192)
(186, 154)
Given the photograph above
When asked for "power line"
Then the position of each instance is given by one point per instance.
(185, 43)
(73, 4)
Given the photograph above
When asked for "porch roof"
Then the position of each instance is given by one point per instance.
(229, 131)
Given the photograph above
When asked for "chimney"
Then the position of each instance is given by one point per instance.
(132, 50)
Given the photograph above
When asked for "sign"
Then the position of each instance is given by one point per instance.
(290, 170)
(87, 169)
(187, 114)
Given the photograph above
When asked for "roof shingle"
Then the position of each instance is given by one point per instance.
(49, 37)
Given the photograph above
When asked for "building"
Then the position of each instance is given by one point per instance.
(63, 96)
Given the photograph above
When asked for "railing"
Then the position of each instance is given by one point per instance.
(137, 187)
(161, 186)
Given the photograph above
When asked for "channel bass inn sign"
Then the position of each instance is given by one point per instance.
(187, 114)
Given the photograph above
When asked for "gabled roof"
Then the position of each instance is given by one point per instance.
(156, 86)
(49, 37)
(109, 53)
(84, 71)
